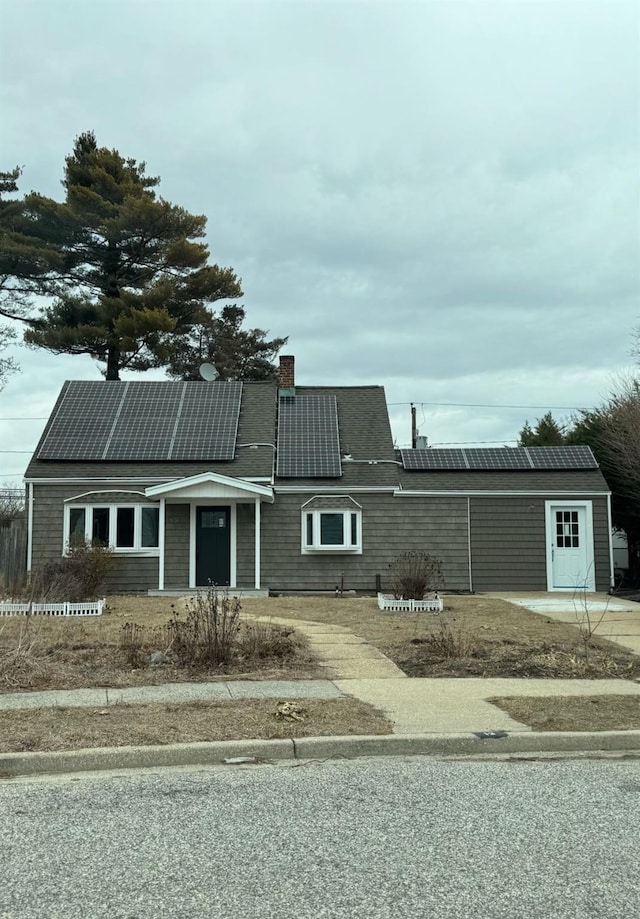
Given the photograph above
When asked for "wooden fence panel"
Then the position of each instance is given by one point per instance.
(13, 556)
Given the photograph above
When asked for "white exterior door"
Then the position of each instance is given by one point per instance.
(570, 546)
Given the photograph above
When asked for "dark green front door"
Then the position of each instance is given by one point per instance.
(213, 546)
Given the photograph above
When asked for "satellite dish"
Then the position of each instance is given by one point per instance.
(208, 372)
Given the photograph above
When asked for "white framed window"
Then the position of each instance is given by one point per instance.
(332, 530)
(123, 527)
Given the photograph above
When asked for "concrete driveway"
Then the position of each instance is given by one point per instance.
(617, 620)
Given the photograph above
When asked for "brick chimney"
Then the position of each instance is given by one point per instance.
(286, 375)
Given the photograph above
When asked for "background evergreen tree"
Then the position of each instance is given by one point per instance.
(219, 339)
(126, 270)
(546, 433)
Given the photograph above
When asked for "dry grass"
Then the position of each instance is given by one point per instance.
(151, 725)
(39, 653)
(476, 636)
(574, 713)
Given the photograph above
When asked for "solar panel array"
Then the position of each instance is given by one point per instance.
(142, 421)
(308, 439)
(503, 458)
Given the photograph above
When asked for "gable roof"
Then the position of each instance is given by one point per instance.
(355, 450)
(363, 435)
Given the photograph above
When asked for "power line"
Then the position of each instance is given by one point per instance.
(37, 418)
(551, 408)
(461, 443)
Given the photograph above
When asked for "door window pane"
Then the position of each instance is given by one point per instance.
(124, 527)
(150, 524)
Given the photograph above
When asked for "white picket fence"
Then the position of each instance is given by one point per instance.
(85, 608)
(430, 605)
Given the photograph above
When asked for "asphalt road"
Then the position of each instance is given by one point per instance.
(365, 838)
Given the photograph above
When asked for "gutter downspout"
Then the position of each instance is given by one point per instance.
(161, 541)
(29, 527)
(612, 577)
(469, 543)
(257, 535)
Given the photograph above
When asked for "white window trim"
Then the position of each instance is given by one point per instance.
(137, 549)
(346, 548)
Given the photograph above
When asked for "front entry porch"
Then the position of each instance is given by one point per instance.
(210, 534)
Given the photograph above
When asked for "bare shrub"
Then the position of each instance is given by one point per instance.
(451, 643)
(208, 635)
(21, 662)
(262, 640)
(132, 643)
(415, 574)
(80, 575)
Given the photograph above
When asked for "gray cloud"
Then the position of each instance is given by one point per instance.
(442, 198)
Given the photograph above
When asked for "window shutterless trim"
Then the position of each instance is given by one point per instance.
(88, 524)
(312, 530)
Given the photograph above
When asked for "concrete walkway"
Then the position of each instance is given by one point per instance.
(414, 706)
(617, 620)
(223, 691)
(342, 654)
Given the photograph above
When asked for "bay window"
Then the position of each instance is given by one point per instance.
(125, 528)
(332, 529)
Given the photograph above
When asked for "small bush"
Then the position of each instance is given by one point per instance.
(21, 659)
(132, 644)
(208, 635)
(451, 643)
(415, 574)
(80, 575)
(261, 640)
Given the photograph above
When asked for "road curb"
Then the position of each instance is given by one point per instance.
(313, 748)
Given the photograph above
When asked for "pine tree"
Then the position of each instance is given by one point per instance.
(236, 353)
(546, 433)
(127, 270)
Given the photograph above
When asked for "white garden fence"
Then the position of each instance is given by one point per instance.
(431, 605)
(86, 608)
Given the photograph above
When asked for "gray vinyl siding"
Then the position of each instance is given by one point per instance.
(390, 526)
(245, 558)
(508, 542)
(177, 535)
(131, 573)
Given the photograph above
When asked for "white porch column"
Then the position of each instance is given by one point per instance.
(257, 543)
(161, 531)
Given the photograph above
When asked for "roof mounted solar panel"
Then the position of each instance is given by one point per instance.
(433, 459)
(579, 457)
(488, 458)
(499, 459)
(308, 437)
(208, 425)
(83, 422)
(144, 421)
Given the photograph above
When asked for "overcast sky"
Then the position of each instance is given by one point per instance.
(439, 197)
